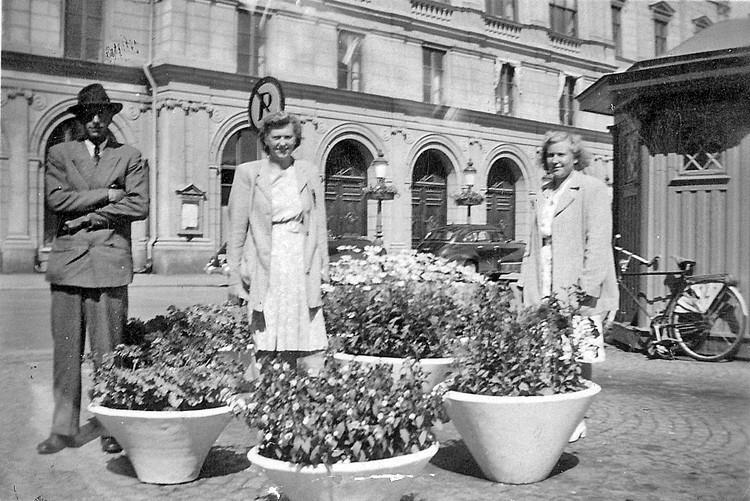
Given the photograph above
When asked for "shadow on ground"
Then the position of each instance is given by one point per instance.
(220, 461)
(454, 456)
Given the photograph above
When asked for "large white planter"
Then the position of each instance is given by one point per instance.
(379, 480)
(166, 447)
(517, 440)
(435, 369)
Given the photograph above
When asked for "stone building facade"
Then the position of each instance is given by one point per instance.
(433, 85)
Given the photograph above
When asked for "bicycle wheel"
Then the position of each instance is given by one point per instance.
(708, 320)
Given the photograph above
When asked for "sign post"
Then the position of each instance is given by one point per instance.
(266, 98)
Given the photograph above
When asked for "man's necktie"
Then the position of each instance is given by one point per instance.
(96, 153)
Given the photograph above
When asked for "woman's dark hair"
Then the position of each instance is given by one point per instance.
(278, 120)
(580, 155)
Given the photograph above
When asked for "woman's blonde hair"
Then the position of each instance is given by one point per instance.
(580, 154)
(278, 120)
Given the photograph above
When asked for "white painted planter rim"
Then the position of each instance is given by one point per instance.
(593, 389)
(109, 411)
(375, 359)
(342, 468)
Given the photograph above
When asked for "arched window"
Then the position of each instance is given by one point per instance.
(501, 195)
(242, 146)
(346, 175)
(429, 194)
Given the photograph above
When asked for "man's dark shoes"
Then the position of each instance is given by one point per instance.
(54, 443)
(110, 445)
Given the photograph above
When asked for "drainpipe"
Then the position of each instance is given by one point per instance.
(153, 219)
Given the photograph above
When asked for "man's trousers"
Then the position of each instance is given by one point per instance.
(75, 311)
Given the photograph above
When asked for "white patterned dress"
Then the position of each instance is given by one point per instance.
(286, 323)
(588, 330)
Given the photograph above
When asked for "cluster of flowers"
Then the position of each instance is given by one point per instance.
(399, 268)
(346, 413)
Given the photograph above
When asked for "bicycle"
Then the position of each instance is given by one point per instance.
(705, 315)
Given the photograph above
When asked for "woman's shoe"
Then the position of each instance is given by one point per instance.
(579, 432)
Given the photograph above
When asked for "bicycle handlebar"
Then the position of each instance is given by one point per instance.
(653, 263)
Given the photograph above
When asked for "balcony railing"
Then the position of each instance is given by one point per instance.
(564, 42)
(432, 9)
(501, 26)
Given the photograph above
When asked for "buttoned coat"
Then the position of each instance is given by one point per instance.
(581, 246)
(250, 212)
(77, 185)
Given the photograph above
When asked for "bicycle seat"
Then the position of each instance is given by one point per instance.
(684, 263)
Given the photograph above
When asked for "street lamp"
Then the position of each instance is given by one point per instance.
(381, 191)
(468, 196)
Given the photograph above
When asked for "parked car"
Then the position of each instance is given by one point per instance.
(483, 247)
(337, 247)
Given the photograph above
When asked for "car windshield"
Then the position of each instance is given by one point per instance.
(440, 235)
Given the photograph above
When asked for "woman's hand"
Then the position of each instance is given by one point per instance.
(237, 294)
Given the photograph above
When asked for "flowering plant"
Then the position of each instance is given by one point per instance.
(468, 197)
(382, 190)
(175, 361)
(346, 413)
(514, 351)
(398, 305)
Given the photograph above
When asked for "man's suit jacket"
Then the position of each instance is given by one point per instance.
(77, 185)
(249, 247)
(581, 246)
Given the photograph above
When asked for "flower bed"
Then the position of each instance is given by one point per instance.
(398, 305)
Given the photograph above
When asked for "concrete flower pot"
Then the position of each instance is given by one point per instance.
(517, 440)
(435, 369)
(379, 480)
(165, 447)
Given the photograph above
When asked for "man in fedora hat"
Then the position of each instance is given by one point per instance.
(97, 187)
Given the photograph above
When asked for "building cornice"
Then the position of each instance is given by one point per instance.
(166, 74)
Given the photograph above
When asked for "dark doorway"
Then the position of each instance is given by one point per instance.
(346, 176)
(428, 194)
(242, 146)
(501, 196)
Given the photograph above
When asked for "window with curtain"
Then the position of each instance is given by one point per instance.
(505, 90)
(432, 67)
(505, 9)
(251, 40)
(350, 61)
(563, 17)
(83, 29)
(567, 101)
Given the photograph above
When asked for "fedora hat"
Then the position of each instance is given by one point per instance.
(94, 97)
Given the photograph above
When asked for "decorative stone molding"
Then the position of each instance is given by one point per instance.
(503, 27)
(185, 105)
(408, 138)
(14, 92)
(475, 141)
(303, 119)
(431, 9)
(568, 44)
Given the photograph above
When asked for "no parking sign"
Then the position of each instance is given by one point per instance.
(266, 98)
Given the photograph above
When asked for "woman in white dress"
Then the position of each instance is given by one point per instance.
(277, 250)
(571, 244)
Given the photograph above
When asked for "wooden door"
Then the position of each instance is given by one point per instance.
(501, 197)
(346, 176)
(627, 208)
(428, 195)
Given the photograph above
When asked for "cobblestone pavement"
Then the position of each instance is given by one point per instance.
(659, 430)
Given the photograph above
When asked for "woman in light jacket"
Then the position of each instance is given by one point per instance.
(277, 250)
(571, 243)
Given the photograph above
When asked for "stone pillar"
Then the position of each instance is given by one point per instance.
(397, 213)
(18, 246)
